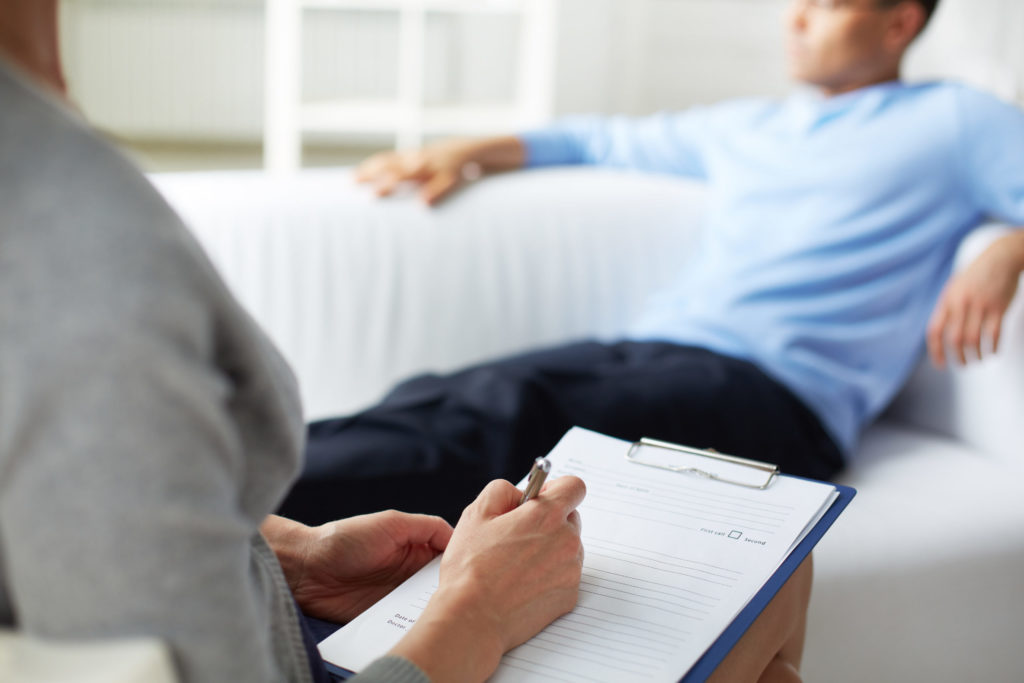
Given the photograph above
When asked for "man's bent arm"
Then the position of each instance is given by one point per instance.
(974, 302)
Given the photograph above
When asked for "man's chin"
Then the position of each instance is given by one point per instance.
(797, 68)
(802, 77)
(807, 77)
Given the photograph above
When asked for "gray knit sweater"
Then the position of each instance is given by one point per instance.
(147, 426)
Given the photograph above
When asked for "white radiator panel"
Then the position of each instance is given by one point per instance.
(167, 69)
(193, 69)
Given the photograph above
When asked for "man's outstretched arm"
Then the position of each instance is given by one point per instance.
(662, 143)
(974, 302)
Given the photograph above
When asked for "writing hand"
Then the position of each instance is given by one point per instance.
(507, 573)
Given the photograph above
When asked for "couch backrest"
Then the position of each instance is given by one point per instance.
(360, 293)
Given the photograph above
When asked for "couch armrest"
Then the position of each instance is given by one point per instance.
(360, 292)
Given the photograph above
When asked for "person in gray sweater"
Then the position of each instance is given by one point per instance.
(148, 428)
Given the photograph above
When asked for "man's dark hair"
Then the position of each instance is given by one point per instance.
(928, 6)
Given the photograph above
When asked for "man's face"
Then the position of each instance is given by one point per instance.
(840, 44)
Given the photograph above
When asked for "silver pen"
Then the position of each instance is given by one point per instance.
(538, 473)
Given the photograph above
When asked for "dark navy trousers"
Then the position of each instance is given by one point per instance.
(433, 443)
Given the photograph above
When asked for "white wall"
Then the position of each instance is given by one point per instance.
(978, 41)
(192, 69)
(675, 53)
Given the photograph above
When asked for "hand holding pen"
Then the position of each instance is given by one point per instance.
(509, 570)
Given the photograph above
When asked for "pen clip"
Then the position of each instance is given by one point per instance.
(750, 474)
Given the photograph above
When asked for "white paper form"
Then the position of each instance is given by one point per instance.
(670, 560)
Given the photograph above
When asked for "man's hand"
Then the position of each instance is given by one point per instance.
(441, 168)
(974, 301)
(508, 572)
(337, 570)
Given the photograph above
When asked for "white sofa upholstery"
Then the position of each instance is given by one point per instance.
(923, 577)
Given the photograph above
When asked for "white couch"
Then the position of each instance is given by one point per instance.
(922, 579)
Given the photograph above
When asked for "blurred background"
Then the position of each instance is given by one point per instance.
(204, 84)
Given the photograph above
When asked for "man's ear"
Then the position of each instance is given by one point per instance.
(906, 21)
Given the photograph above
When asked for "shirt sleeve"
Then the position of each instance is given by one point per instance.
(993, 154)
(662, 143)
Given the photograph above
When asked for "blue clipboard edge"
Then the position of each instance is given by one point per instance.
(338, 672)
(749, 614)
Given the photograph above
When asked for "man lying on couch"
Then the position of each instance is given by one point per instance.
(833, 222)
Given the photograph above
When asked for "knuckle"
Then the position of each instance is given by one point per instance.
(495, 486)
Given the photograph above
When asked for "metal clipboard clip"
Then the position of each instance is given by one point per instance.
(750, 474)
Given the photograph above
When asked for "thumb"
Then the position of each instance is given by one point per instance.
(422, 530)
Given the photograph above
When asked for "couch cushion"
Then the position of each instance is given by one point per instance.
(925, 569)
(924, 499)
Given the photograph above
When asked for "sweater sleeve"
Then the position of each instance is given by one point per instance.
(126, 488)
(391, 669)
(662, 143)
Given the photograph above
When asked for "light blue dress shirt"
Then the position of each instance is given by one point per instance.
(832, 226)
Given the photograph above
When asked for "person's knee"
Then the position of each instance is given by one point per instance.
(779, 670)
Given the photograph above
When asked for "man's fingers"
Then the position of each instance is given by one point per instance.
(954, 333)
(416, 168)
(388, 175)
(364, 172)
(972, 332)
(371, 169)
(386, 184)
(936, 334)
(994, 324)
(438, 187)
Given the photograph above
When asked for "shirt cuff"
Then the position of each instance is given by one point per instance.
(391, 669)
(550, 147)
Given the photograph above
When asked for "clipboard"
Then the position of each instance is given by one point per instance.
(706, 665)
(762, 476)
(729, 471)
